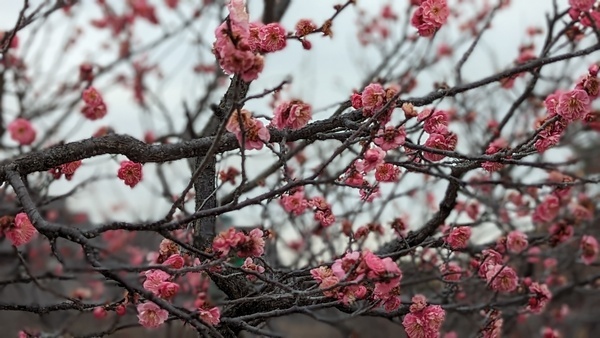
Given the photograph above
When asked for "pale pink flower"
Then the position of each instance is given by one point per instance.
(541, 295)
(387, 172)
(237, 12)
(390, 137)
(251, 266)
(589, 249)
(226, 240)
(20, 231)
(516, 241)
(573, 105)
(441, 142)
(295, 203)
(293, 115)
(154, 279)
(22, 131)
(502, 278)
(211, 315)
(490, 258)
(560, 232)
(551, 102)
(251, 245)
(419, 302)
(547, 210)
(233, 124)
(459, 237)
(151, 315)
(435, 12)
(373, 98)
(434, 119)
(371, 159)
(423, 321)
(451, 272)
(272, 37)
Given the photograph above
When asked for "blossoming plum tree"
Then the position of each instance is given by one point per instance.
(453, 207)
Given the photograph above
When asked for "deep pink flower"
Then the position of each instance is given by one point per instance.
(22, 131)
(373, 98)
(541, 295)
(371, 159)
(423, 321)
(390, 137)
(441, 142)
(547, 210)
(167, 290)
(91, 97)
(502, 278)
(295, 203)
(387, 172)
(151, 315)
(516, 241)
(433, 120)
(573, 105)
(293, 115)
(451, 272)
(551, 102)
(251, 245)
(130, 172)
(459, 237)
(20, 231)
(272, 37)
(582, 5)
(94, 112)
(175, 261)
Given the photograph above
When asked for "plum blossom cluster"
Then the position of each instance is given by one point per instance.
(430, 16)
(244, 245)
(423, 321)
(18, 229)
(239, 43)
(292, 115)
(361, 275)
(373, 99)
(130, 172)
(164, 285)
(94, 107)
(435, 123)
(22, 131)
(250, 132)
(497, 274)
(372, 159)
(585, 12)
(296, 204)
(67, 169)
(565, 107)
